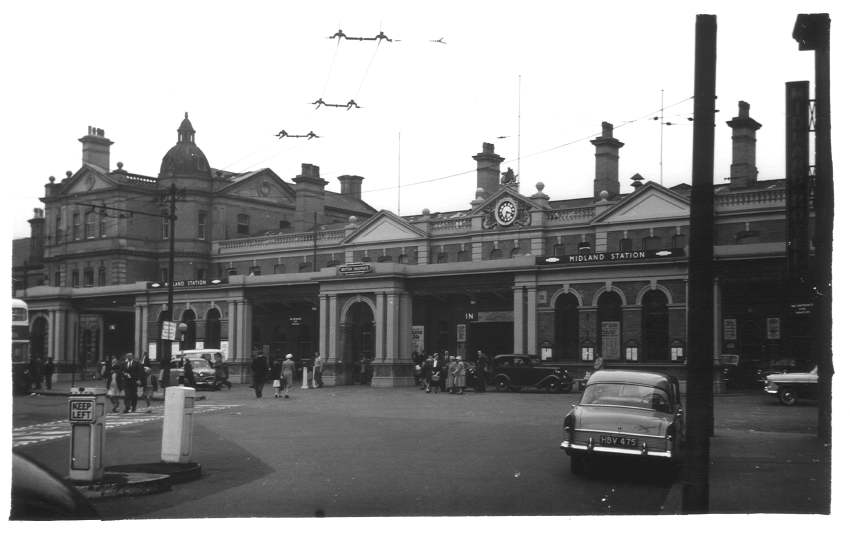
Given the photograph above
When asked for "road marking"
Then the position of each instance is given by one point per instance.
(36, 433)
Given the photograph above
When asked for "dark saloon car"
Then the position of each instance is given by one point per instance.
(626, 414)
(515, 371)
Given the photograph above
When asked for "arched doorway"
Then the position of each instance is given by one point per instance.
(610, 325)
(213, 334)
(566, 328)
(38, 338)
(188, 341)
(655, 326)
(359, 344)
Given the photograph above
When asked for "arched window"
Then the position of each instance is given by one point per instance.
(609, 325)
(566, 328)
(655, 326)
(91, 225)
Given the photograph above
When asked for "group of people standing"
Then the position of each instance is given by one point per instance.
(282, 373)
(130, 377)
(38, 371)
(448, 373)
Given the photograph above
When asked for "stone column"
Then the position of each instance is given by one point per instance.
(392, 311)
(137, 319)
(323, 325)
(718, 318)
(145, 334)
(380, 325)
(51, 334)
(231, 329)
(333, 322)
(531, 321)
(519, 320)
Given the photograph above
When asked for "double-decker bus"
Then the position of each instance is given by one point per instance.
(20, 345)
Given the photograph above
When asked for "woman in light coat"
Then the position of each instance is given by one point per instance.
(459, 380)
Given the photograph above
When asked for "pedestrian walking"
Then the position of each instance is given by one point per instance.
(482, 370)
(133, 375)
(275, 373)
(35, 374)
(188, 373)
(48, 370)
(287, 368)
(432, 373)
(318, 365)
(222, 373)
(147, 387)
(459, 381)
(114, 384)
(259, 369)
(451, 378)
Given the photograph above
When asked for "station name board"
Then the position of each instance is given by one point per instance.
(190, 283)
(608, 257)
(356, 268)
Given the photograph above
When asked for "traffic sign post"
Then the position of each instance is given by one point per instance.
(87, 414)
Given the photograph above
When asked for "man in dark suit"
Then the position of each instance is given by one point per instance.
(259, 371)
(134, 372)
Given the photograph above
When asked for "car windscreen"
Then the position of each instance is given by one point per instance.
(626, 395)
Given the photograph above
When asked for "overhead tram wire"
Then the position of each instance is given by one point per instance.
(538, 153)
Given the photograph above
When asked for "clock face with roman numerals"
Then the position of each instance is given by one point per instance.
(506, 212)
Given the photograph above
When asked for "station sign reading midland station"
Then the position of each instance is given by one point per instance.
(613, 257)
(191, 283)
(354, 268)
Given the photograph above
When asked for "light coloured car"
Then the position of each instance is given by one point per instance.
(201, 369)
(789, 387)
(627, 414)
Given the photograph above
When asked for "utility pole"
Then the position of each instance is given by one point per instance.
(811, 31)
(695, 492)
(165, 353)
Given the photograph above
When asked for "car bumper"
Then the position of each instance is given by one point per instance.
(771, 388)
(574, 448)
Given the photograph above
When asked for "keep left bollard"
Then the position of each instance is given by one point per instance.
(177, 424)
(87, 414)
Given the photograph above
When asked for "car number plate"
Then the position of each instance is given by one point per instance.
(621, 442)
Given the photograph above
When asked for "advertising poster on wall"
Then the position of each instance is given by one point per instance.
(417, 338)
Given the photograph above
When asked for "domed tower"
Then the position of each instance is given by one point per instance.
(185, 159)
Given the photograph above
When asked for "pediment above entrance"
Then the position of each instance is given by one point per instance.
(385, 227)
(650, 202)
(87, 180)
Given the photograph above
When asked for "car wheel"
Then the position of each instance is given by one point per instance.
(787, 396)
(553, 387)
(578, 464)
(502, 384)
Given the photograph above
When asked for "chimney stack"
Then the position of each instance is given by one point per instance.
(309, 197)
(96, 149)
(743, 171)
(349, 185)
(37, 236)
(488, 169)
(607, 163)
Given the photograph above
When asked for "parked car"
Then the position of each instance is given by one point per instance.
(789, 387)
(515, 371)
(40, 494)
(625, 413)
(201, 369)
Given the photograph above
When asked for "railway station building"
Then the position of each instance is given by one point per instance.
(273, 265)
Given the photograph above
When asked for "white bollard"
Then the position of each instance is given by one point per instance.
(305, 379)
(177, 424)
(87, 414)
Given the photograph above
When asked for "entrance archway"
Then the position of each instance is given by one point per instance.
(358, 344)
(38, 338)
(566, 328)
(188, 341)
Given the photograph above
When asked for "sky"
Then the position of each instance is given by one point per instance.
(535, 78)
